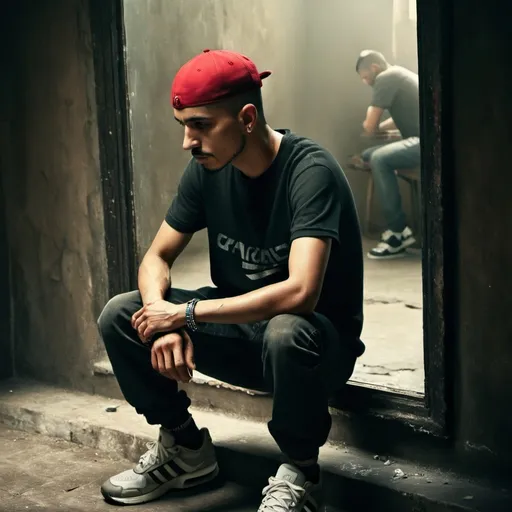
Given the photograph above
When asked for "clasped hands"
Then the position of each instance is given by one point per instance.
(172, 354)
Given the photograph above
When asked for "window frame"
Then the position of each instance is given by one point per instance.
(429, 411)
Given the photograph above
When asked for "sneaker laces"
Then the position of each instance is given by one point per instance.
(157, 452)
(280, 496)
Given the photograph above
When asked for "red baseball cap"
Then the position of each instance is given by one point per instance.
(213, 75)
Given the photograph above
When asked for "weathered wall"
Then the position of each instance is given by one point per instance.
(54, 204)
(7, 113)
(6, 349)
(482, 109)
(311, 47)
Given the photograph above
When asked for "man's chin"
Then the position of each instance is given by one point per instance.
(209, 164)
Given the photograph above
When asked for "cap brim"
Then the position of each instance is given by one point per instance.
(265, 74)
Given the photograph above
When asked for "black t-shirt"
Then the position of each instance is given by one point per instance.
(252, 222)
(396, 90)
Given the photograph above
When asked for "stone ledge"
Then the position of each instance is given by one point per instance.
(353, 479)
(204, 391)
(104, 367)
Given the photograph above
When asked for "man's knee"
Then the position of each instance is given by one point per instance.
(287, 333)
(117, 310)
(378, 159)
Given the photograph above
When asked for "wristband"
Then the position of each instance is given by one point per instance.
(189, 314)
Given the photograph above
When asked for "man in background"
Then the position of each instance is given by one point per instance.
(395, 89)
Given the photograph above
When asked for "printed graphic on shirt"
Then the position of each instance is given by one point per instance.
(257, 262)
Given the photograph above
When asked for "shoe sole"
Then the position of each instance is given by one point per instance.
(399, 254)
(407, 243)
(185, 481)
(394, 256)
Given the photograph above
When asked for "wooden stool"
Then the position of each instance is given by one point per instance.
(413, 179)
(410, 176)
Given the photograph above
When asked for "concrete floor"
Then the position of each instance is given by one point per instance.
(393, 328)
(48, 474)
(393, 325)
(52, 474)
(39, 473)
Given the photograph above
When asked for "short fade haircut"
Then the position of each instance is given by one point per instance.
(236, 103)
(368, 57)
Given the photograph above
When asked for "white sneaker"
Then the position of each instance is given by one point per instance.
(163, 467)
(392, 245)
(289, 491)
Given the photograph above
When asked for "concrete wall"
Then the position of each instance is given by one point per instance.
(6, 347)
(482, 109)
(310, 46)
(53, 195)
(6, 118)
(405, 46)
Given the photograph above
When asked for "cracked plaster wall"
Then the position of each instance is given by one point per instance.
(54, 202)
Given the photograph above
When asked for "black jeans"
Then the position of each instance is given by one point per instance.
(300, 359)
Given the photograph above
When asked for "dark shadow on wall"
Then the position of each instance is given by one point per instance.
(7, 113)
(6, 353)
(54, 210)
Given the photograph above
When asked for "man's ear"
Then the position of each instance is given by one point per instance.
(248, 117)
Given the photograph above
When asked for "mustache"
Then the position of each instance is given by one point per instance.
(198, 153)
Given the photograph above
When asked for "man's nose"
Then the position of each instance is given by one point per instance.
(190, 140)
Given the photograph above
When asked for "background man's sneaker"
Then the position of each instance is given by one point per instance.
(163, 467)
(407, 237)
(289, 491)
(392, 245)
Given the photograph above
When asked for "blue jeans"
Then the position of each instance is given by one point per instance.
(384, 161)
(300, 359)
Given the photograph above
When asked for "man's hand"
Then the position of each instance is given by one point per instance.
(172, 355)
(387, 124)
(158, 316)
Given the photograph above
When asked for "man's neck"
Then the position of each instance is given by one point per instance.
(260, 151)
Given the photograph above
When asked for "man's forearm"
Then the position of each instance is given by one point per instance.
(154, 278)
(368, 130)
(371, 123)
(262, 304)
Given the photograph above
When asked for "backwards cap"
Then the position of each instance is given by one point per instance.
(212, 76)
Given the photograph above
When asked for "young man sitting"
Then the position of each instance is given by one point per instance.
(285, 314)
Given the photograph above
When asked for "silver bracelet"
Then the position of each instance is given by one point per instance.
(189, 314)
